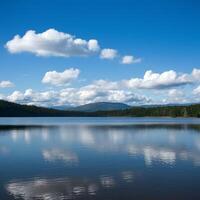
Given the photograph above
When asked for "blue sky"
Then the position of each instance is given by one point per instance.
(157, 36)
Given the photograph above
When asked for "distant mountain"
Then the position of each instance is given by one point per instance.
(100, 106)
(62, 107)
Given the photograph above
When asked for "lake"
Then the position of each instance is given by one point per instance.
(99, 158)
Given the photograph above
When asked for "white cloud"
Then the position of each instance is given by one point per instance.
(38, 98)
(2, 96)
(127, 91)
(108, 54)
(16, 96)
(97, 92)
(31, 97)
(196, 74)
(52, 43)
(130, 60)
(196, 91)
(175, 93)
(175, 96)
(101, 91)
(6, 84)
(60, 78)
(153, 80)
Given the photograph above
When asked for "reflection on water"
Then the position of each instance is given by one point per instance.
(57, 154)
(62, 188)
(127, 176)
(102, 161)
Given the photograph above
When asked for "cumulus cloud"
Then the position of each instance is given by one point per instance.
(127, 91)
(98, 91)
(175, 96)
(2, 96)
(60, 78)
(16, 96)
(196, 91)
(175, 93)
(108, 54)
(196, 74)
(163, 80)
(52, 43)
(101, 90)
(130, 60)
(31, 97)
(6, 84)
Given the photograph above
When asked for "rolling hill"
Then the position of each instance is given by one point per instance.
(8, 109)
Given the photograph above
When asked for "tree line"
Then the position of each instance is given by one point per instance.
(8, 109)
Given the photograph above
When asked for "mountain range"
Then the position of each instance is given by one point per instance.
(94, 107)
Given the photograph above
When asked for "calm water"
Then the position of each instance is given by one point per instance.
(99, 158)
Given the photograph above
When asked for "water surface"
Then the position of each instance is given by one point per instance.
(99, 158)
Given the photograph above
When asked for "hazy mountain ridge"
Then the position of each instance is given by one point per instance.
(100, 106)
(109, 106)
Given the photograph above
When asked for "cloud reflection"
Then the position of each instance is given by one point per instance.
(50, 189)
(134, 140)
(127, 176)
(140, 141)
(107, 181)
(63, 188)
(56, 154)
(163, 155)
(27, 136)
(14, 135)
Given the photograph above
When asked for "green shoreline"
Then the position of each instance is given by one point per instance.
(8, 109)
